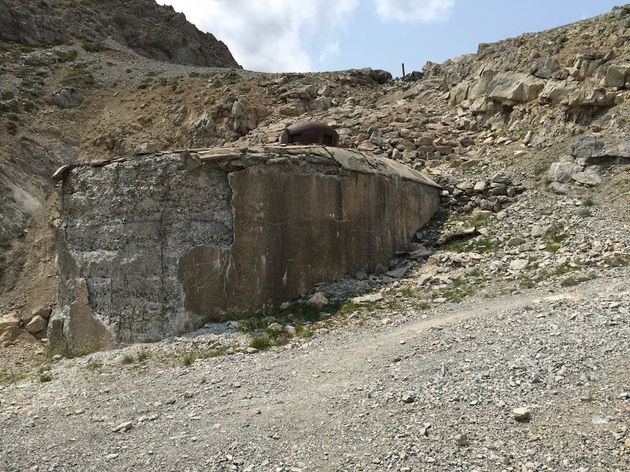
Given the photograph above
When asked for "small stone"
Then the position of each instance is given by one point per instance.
(480, 186)
(251, 350)
(518, 264)
(537, 231)
(318, 300)
(397, 273)
(408, 398)
(386, 321)
(126, 426)
(626, 443)
(461, 440)
(521, 414)
(369, 298)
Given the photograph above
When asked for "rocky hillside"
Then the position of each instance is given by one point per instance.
(536, 123)
(152, 30)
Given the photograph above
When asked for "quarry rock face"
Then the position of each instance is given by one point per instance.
(160, 244)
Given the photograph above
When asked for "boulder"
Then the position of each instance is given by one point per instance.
(243, 117)
(546, 67)
(318, 300)
(591, 98)
(36, 325)
(510, 88)
(380, 76)
(66, 98)
(616, 75)
(556, 91)
(562, 171)
(590, 177)
(620, 151)
(586, 147)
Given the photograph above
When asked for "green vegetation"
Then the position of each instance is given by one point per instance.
(572, 281)
(554, 237)
(11, 106)
(461, 288)
(480, 244)
(260, 342)
(188, 359)
(8, 377)
(226, 79)
(93, 46)
(94, 366)
(79, 77)
(618, 260)
(191, 356)
(590, 398)
(143, 355)
(66, 56)
(127, 360)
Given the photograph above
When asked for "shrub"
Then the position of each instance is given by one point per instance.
(260, 342)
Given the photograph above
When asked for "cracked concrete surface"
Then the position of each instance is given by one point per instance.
(163, 243)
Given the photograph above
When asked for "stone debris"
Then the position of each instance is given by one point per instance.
(318, 300)
(521, 414)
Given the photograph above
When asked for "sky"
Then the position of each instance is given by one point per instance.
(324, 35)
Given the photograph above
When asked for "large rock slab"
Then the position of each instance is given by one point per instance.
(160, 244)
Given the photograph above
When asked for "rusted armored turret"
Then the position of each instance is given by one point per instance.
(310, 132)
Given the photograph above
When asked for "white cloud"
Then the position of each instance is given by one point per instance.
(331, 50)
(414, 11)
(267, 35)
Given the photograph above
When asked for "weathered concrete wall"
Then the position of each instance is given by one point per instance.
(160, 244)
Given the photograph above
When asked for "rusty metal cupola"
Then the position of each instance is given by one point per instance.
(310, 132)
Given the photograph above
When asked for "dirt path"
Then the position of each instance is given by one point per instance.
(376, 398)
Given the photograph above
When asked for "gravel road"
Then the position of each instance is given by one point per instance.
(434, 390)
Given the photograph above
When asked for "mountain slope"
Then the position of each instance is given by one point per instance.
(152, 30)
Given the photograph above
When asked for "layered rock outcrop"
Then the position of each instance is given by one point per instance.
(161, 244)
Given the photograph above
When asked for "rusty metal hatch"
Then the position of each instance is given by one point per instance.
(310, 132)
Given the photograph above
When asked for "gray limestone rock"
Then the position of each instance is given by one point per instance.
(562, 171)
(66, 98)
(586, 147)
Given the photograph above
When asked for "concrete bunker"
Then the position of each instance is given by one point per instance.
(160, 244)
